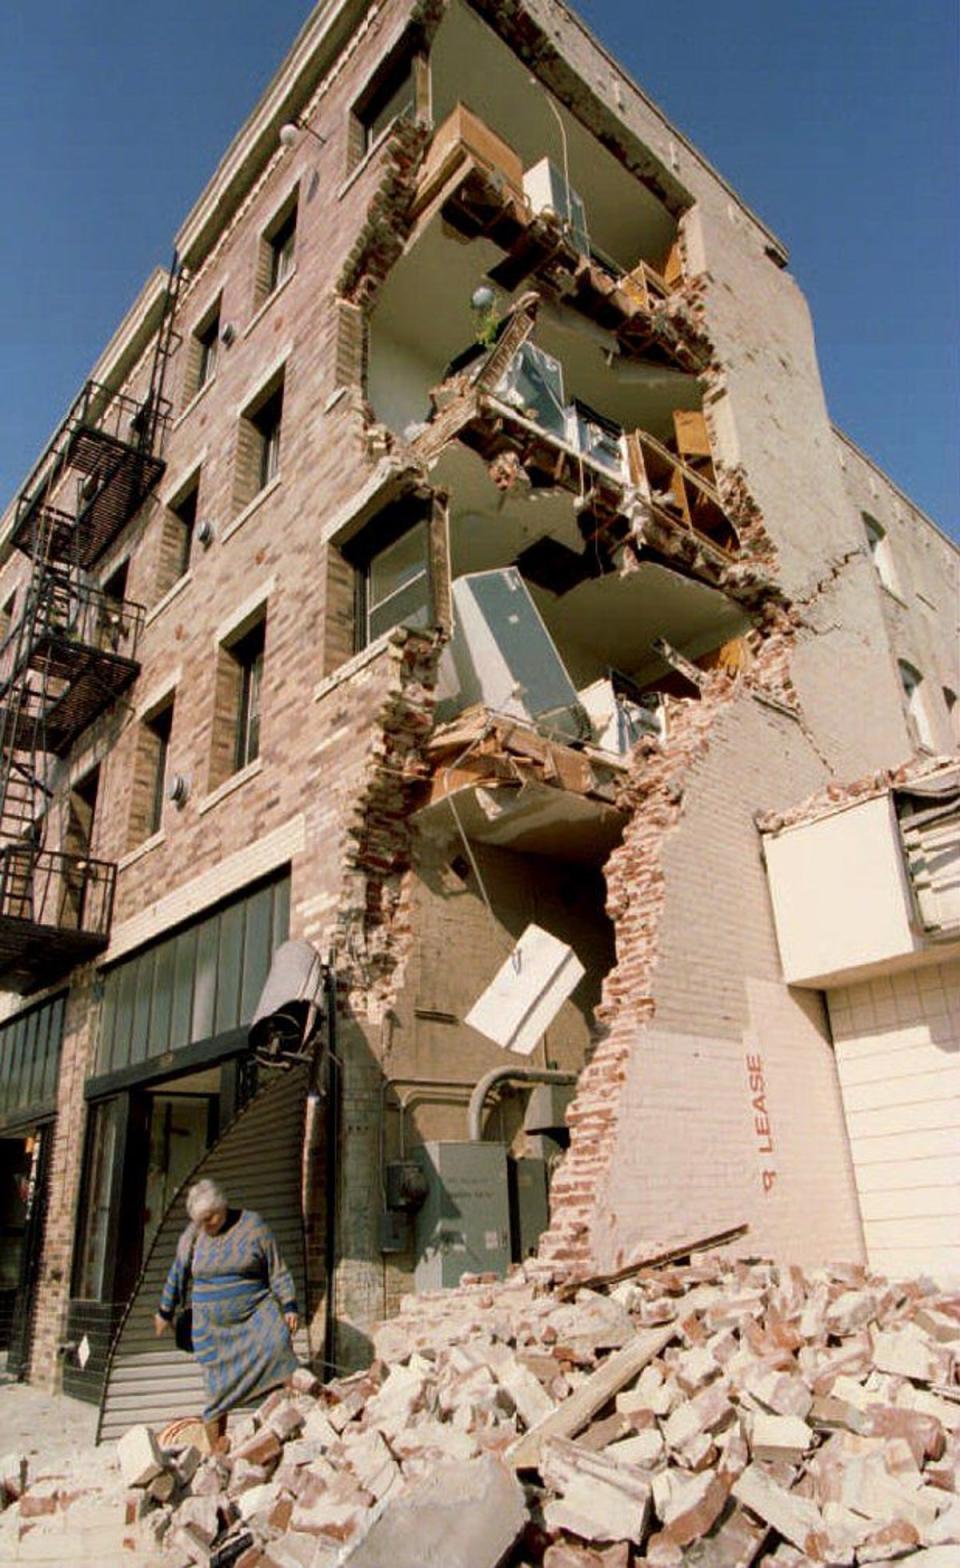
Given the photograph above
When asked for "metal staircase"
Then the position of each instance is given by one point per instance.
(71, 652)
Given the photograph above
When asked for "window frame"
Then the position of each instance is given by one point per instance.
(396, 521)
(203, 345)
(367, 124)
(912, 683)
(209, 341)
(878, 547)
(259, 440)
(160, 725)
(277, 249)
(249, 653)
(179, 530)
(237, 729)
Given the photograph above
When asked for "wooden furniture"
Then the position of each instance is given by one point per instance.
(464, 136)
(678, 490)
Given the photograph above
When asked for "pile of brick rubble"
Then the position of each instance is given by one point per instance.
(719, 1414)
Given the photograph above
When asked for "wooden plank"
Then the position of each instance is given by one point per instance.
(575, 1413)
(652, 1260)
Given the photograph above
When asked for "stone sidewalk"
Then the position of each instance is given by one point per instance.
(56, 1436)
(34, 1422)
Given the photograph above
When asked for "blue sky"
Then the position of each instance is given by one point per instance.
(835, 119)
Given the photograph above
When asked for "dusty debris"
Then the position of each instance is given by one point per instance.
(767, 1417)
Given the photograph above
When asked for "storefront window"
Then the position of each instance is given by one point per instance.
(92, 1252)
(180, 1127)
(15, 1160)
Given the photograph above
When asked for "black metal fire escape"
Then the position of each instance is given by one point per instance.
(71, 652)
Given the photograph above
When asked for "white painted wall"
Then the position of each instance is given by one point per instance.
(840, 894)
(897, 1040)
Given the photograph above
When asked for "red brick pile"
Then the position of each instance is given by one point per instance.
(719, 1414)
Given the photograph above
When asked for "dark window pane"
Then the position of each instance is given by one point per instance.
(93, 1243)
(36, 1045)
(205, 986)
(256, 951)
(108, 1021)
(185, 961)
(56, 1044)
(140, 1036)
(281, 912)
(163, 982)
(228, 971)
(123, 1029)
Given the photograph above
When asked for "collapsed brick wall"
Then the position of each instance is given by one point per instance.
(373, 932)
(654, 798)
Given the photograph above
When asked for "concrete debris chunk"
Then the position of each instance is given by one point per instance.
(779, 1437)
(796, 1518)
(911, 1353)
(140, 1456)
(597, 1511)
(464, 1515)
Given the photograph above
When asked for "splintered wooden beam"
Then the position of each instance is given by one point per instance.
(652, 1260)
(601, 1386)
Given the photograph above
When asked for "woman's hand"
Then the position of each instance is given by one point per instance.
(160, 1325)
(292, 1320)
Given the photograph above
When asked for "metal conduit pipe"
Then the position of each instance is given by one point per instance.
(502, 1075)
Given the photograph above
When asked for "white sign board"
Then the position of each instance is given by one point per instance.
(527, 992)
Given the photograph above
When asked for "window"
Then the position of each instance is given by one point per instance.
(953, 712)
(201, 980)
(258, 444)
(202, 348)
(391, 93)
(248, 654)
(112, 630)
(101, 1177)
(277, 250)
(176, 539)
(6, 617)
(208, 339)
(237, 706)
(159, 728)
(81, 812)
(281, 250)
(267, 423)
(392, 563)
(879, 546)
(912, 682)
(115, 586)
(149, 774)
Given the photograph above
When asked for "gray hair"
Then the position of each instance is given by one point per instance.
(204, 1198)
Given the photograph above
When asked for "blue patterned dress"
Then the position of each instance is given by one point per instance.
(241, 1289)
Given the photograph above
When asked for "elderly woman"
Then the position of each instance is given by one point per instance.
(244, 1302)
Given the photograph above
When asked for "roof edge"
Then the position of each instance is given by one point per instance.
(865, 457)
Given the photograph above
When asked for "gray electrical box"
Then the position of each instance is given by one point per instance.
(464, 1224)
(532, 1213)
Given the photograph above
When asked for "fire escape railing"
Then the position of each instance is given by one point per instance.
(71, 653)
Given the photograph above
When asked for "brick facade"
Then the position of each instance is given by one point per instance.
(684, 987)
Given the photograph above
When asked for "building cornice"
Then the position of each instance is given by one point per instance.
(907, 500)
(315, 49)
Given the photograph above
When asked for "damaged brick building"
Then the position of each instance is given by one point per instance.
(451, 565)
